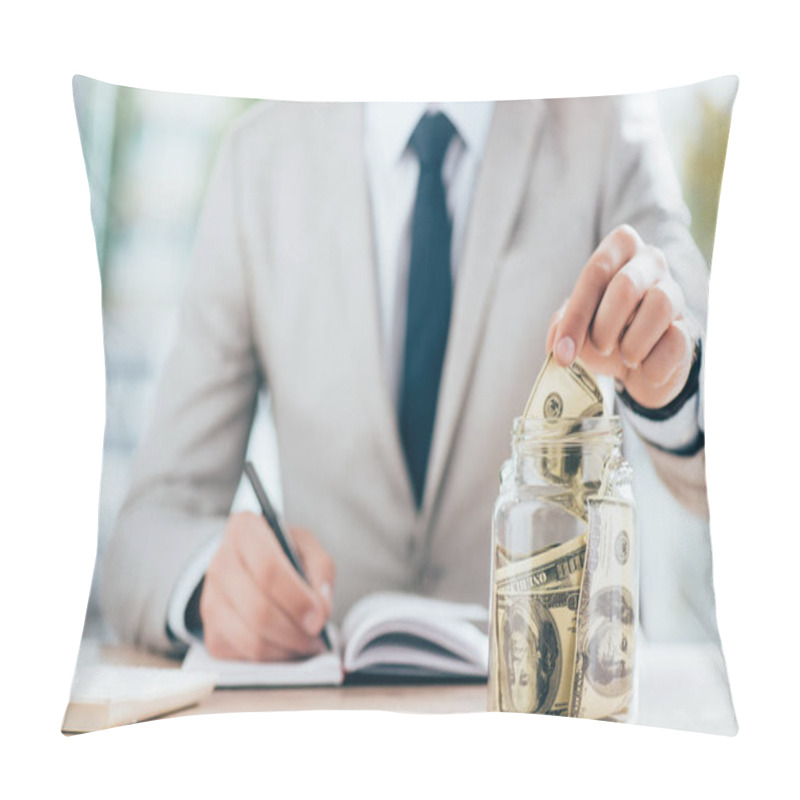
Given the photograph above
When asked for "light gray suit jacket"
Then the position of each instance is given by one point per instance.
(283, 296)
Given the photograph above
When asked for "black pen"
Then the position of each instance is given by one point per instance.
(280, 531)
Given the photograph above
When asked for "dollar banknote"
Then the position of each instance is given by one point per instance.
(505, 556)
(603, 679)
(564, 392)
(535, 605)
(563, 396)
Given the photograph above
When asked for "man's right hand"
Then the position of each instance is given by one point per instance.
(254, 606)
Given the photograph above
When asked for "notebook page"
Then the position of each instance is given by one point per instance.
(388, 628)
(322, 670)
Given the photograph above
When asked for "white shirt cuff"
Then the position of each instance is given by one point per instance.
(192, 574)
(677, 433)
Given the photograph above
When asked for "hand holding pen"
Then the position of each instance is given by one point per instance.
(255, 604)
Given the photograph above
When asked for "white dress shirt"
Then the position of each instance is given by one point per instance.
(392, 173)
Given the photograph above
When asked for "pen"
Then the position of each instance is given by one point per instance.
(280, 531)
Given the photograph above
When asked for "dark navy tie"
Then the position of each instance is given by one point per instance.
(430, 293)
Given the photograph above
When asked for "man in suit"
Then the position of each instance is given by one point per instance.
(393, 275)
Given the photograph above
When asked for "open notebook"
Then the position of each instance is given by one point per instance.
(386, 634)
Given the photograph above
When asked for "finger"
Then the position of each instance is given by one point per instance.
(319, 567)
(661, 305)
(265, 617)
(272, 571)
(226, 635)
(553, 326)
(622, 297)
(229, 582)
(671, 356)
(611, 255)
(603, 365)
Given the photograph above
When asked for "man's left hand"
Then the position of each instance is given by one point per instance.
(625, 318)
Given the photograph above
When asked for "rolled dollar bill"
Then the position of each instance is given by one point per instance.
(562, 563)
(564, 392)
(603, 680)
(563, 395)
(536, 602)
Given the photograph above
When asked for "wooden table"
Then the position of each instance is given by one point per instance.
(681, 686)
(416, 697)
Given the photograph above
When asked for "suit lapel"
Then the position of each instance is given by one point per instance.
(358, 274)
(496, 201)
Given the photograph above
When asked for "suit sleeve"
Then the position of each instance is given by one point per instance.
(642, 190)
(189, 461)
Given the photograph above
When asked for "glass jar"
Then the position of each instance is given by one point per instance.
(564, 599)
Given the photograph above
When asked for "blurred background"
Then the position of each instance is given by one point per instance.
(148, 157)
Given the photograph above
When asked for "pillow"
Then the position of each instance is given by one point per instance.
(258, 261)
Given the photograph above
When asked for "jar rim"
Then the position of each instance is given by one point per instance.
(573, 428)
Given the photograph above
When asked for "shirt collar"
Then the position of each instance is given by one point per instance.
(388, 126)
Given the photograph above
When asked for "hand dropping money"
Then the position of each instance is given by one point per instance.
(564, 614)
